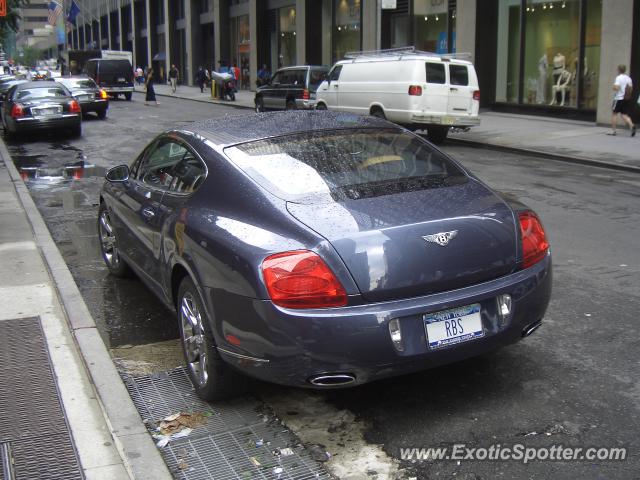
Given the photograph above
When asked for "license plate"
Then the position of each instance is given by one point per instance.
(448, 120)
(84, 98)
(457, 325)
(122, 79)
(47, 111)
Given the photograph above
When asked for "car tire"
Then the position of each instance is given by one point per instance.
(109, 244)
(321, 106)
(260, 105)
(379, 113)
(76, 132)
(102, 114)
(437, 135)
(290, 105)
(128, 96)
(211, 376)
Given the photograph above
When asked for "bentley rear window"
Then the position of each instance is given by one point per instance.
(345, 164)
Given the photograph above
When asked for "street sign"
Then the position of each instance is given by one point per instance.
(3, 8)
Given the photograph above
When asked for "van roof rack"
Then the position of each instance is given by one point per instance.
(402, 51)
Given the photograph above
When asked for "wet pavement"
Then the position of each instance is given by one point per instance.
(64, 176)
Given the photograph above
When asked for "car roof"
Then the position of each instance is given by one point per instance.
(40, 84)
(230, 130)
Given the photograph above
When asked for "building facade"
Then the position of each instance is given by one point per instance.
(532, 56)
(34, 30)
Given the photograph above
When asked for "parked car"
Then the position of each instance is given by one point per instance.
(5, 86)
(322, 249)
(34, 106)
(90, 97)
(419, 90)
(113, 76)
(290, 88)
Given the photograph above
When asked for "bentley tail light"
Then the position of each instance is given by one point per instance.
(74, 106)
(17, 111)
(534, 240)
(415, 90)
(301, 279)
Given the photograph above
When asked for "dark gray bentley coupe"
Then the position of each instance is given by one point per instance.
(322, 249)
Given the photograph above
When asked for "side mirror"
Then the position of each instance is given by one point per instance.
(118, 174)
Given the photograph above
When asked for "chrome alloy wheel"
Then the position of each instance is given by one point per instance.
(108, 240)
(194, 339)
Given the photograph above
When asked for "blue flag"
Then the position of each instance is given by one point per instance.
(73, 13)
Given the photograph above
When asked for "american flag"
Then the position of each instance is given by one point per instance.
(55, 9)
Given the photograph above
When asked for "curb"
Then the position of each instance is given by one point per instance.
(204, 100)
(547, 155)
(135, 446)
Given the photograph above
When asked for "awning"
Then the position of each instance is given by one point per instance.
(159, 57)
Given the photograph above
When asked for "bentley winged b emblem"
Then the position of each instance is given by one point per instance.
(441, 238)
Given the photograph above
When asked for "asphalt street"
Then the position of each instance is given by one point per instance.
(574, 382)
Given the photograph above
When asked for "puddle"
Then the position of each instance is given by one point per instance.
(65, 173)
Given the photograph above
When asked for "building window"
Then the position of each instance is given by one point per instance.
(553, 73)
(431, 23)
(240, 41)
(287, 37)
(347, 27)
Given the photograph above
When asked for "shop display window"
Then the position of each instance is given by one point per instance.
(430, 25)
(347, 28)
(287, 37)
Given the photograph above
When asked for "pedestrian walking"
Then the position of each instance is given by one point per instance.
(200, 78)
(151, 93)
(139, 76)
(173, 78)
(623, 93)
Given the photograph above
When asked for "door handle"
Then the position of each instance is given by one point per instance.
(453, 89)
(148, 212)
(335, 86)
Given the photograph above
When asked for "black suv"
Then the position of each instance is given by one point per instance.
(291, 88)
(113, 76)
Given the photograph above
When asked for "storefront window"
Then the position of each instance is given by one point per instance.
(430, 22)
(240, 41)
(287, 37)
(508, 60)
(591, 67)
(348, 24)
(552, 47)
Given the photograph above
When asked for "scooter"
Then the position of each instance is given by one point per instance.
(228, 90)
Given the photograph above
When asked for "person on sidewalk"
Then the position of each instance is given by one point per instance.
(623, 92)
(151, 93)
(173, 77)
(201, 78)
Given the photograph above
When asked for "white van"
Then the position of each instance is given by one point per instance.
(419, 90)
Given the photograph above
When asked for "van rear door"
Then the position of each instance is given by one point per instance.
(437, 92)
(460, 91)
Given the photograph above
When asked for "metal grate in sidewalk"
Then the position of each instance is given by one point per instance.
(35, 435)
(238, 442)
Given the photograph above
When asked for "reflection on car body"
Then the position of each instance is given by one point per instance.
(295, 249)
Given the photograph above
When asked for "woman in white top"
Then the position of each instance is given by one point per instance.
(620, 104)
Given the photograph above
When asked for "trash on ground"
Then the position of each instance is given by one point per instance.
(179, 421)
(259, 443)
(255, 461)
(163, 440)
(318, 453)
(285, 452)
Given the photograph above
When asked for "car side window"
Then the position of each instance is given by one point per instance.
(299, 77)
(315, 78)
(277, 78)
(335, 73)
(157, 168)
(459, 75)
(188, 174)
(435, 73)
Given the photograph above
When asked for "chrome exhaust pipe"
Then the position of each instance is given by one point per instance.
(332, 380)
(531, 328)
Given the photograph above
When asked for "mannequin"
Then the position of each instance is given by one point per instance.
(543, 65)
(561, 87)
(559, 66)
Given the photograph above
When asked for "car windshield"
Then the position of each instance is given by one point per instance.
(34, 93)
(78, 82)
(345, 164)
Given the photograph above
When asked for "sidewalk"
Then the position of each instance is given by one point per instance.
(569, 140)
(65, 411)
